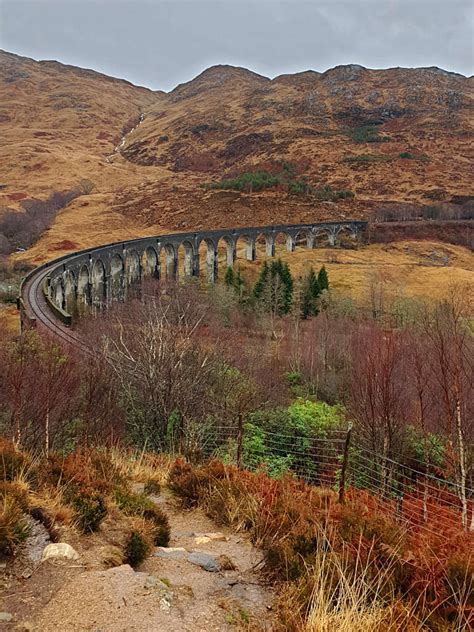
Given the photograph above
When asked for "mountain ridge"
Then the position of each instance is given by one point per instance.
(394, 136)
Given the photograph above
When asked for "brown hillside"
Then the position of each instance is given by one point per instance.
(60, 124)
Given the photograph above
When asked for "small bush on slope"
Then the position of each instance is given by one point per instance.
(139, 505)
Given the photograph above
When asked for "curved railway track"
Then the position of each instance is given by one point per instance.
(37, 309)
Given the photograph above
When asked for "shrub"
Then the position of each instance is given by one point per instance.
(367, 134)
(184, 482)
(13, 462)
(364, 158)
(140, 505)
(90, 510)
(249, 181)
(152, 486)
(14, 528)
(139, 542)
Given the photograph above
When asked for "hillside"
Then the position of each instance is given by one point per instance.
(397, 135)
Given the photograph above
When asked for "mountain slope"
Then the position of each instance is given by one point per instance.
(397, 135)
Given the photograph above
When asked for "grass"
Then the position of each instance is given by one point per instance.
(353, 596)
(344, 567)
(366, 134)
(404, 268)
(81, 492)
(365, 158)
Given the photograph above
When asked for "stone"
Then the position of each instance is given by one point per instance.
(207, 561)
(170, 553)
(165, 595)
(203, 538)
(59, 551)
(5, 616)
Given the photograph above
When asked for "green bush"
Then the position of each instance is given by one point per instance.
(140, 505)
(366, 134)
(90, 510)
(136, 549)
(366, 158)
(249, 181)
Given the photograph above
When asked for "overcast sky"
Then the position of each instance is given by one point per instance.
(160, 44)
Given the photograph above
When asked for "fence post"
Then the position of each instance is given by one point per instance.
(240, 438)
(345, 459)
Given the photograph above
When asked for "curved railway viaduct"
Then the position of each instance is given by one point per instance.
(55, 294)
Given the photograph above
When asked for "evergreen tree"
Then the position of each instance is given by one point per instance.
(274, 287)
(239, 283)
(288, 283)
(309, 294)
(323, 280)
(229, 278)
(262, 281)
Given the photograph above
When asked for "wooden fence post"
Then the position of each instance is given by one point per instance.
(345, 460)
(240, 438)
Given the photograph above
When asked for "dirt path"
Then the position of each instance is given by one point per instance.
(171, 590)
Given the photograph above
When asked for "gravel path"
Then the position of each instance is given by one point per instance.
(172, 591)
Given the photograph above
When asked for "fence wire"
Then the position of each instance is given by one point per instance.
(413, 496)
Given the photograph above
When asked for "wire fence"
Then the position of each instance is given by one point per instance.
(412, 494)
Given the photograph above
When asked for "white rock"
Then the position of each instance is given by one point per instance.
(59, 551)
(5, 616)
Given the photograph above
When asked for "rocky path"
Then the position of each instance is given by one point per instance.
(207, 580)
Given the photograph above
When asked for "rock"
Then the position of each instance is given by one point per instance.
(151, 581)
(165, 595)
(5, 616)
(170, 553)
(207, 561)
(59, 551)
(217, 536)
(111, 556)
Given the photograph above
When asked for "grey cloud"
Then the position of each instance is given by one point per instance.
(160, 44)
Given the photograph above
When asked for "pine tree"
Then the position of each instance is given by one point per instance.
(229, 278)
(274, 288)
(288, 283)
(239, 283)
(314, 283)
(323, 280)
(261, 281)
(309, 294)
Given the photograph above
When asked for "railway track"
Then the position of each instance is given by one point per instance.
(39, 313)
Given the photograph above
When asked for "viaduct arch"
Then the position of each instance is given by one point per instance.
(56, 293)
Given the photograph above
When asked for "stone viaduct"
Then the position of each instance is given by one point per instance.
(58, 291)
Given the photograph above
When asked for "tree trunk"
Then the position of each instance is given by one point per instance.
(462, 464)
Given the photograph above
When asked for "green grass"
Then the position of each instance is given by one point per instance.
(366, 134)
(364, 158)
(249, 181)
(408, 155)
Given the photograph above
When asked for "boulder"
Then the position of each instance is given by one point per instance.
(59, 551)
